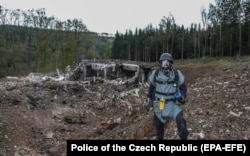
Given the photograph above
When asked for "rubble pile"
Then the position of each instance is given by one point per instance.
(36, 118)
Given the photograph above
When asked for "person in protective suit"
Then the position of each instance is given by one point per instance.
(167, 93)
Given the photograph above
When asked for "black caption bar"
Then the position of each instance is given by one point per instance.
(80, 147)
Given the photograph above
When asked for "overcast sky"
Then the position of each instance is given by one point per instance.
(110, 16)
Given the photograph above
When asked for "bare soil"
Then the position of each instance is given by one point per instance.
(36, 119)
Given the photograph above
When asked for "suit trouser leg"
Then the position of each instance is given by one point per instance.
(182, 126)
(159, 128)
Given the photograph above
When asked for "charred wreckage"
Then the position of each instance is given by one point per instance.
(124, 76)
(113, 72)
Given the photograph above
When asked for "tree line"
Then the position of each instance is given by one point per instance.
(224, 31)
(32, 41)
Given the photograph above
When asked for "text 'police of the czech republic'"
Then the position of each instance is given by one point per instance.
(133, 147)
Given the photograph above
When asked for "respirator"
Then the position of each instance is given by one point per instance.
(165, 65)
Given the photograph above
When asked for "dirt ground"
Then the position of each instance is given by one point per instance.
(36, 119)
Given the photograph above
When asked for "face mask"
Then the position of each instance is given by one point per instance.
(165, 65)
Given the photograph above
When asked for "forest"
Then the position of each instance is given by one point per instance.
(30, 41)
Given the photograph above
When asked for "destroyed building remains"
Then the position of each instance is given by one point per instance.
(114, 72)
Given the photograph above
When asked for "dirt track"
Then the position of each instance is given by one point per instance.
(37, 119)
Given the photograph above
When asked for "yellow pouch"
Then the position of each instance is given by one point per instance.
(162, 104)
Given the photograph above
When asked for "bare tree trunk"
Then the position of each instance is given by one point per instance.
(239, 38)
(194, 46)
(182, 45)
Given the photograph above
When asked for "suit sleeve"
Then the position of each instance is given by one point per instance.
(182, 84)
(151, 91)
(183, 89)
(151, 86)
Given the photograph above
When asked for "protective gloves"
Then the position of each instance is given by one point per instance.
(146, 104)
(182, 100)
(180, 97)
